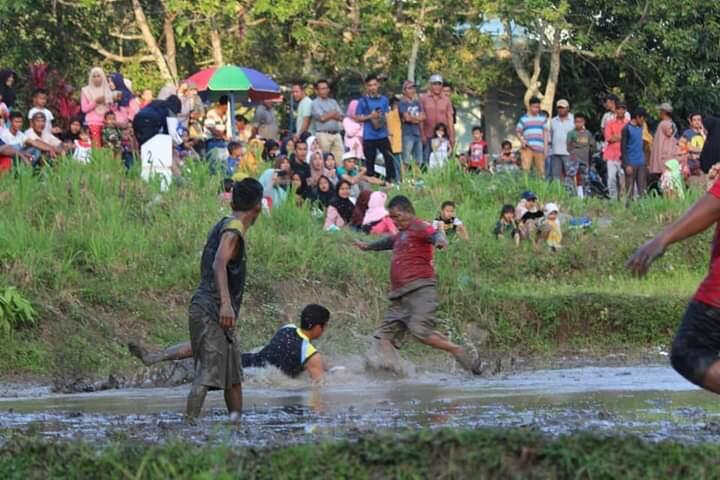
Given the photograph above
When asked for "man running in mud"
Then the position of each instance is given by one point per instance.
(695, 349)
(216, 303)
(413, 295)
(290, 349)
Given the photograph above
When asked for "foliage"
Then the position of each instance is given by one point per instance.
(520, 453)
(15, 311)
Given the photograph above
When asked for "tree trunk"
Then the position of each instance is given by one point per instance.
(170, 47)
(216, 45)
(151, 43)
(417, 37)
(548, 98)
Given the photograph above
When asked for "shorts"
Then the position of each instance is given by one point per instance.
(697, 342)
(218, 362)
(414, 312)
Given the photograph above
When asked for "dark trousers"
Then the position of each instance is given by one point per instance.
(637, 176)
(370, 148)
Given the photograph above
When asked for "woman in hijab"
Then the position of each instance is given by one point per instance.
(340, 211)
(73, 131)
(7, 87)
(317, 168)
(322, 195)
(361, 207)
(353, 131)
(275, 181)
(377, 220)
(95, 100)
(125, 105)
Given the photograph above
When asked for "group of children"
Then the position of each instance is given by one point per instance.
(531, 222)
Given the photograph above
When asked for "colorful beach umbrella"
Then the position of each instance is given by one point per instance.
(234, 79)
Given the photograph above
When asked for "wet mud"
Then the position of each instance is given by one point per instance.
(652, 402)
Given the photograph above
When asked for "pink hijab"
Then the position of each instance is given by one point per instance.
(376, 208)
(353, 131)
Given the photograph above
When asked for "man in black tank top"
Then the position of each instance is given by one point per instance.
(216, 303)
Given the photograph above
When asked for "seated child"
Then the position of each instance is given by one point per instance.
(82, 146)
(112, 135)
(449, 223)
(477, 160)
(528, 215)
(234, 159)
(550, 231)
(507, 160)
(440, 147)
(671, 181)
(377, 221)
(507, 226)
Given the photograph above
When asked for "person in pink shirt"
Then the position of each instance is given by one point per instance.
(438, 109)
(125, 104)
(664, 146)
(353, 131)
(612, 153)
(95, 100)
(377, 219)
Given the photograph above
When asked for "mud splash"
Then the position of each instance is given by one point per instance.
(651, 401)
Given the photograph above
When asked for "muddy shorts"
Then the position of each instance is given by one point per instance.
(218, 362)
(697, 342)
(414, 312)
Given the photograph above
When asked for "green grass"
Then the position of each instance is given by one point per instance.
(104, 257)
(520, 454)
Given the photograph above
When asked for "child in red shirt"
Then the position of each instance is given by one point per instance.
(413, 295)
(477, 153)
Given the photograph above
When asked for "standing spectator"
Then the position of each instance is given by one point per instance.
(40, 100)
(372, 110)
(214, 128)
(695, 135)
(152, 119)
(327, 120)
(581, 147)
(265, 123)
(353, 132)
(412, 117)
(613, 151)
(448, 90)
(664, 145)
(560, 125)
(633, 154)
(7, 87)
(303, 112)
(531, 129)
(95, 100)
(188, 94)
(395, 132)
(611, 101)
(125, 104)
(438, 109)
(477, 155)
(297, 160)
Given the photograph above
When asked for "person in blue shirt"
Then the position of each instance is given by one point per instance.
(632, 153)
(371, 112)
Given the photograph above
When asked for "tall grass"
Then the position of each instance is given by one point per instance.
(91, 246)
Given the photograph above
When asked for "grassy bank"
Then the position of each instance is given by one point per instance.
(443, 454)
(104, 258)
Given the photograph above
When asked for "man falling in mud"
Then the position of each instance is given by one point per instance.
(696, 346)
(413, 295)
(290, 349)
(216, 303)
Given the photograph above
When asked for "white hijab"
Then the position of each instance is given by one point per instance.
(93, 93)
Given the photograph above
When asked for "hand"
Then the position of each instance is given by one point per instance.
(441, 244)
(359, 244)
(100, 100)
(524, 143)
(227, 316)
(374, 115)
(641, 260)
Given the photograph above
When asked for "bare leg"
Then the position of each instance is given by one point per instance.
(390, 359)
(195, 400)
(180, 351)
(468, 361)
(712, 378)
(233, 399)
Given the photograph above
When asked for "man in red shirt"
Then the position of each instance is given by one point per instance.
(611, 155)
(413, 295)
(696, 345)
(438, 109)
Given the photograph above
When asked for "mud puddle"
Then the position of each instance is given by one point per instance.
(652, 402)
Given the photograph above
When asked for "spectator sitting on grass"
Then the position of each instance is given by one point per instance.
(377, 221)
(528, 215)
(234, 159)
(82, 146)
(340, 211)
(111, 135)
(449, 223)
(550, 231)
(300, 188)
(43, 141)
(507, 226)
(25, 149)
(323, 193)
(331, 168)
(507, 160)
(297, 160)
(317, 168)
(275, 181)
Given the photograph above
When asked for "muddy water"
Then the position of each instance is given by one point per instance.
(651, 401)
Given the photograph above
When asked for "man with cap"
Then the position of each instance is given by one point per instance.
(560, 126)
(412, 116)
(613, 152)
(664, 146)
(438, 109)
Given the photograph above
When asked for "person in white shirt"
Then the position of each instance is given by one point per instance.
(40, 100)
(560, 126)
(15, 138)
(43, 141)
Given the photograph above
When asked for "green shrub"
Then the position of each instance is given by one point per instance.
(15, 311)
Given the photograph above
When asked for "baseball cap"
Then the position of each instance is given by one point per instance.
(408, 84)
(528, 196)
(563, 103)
(349, 155)
(551, 207)
(436, 79)
(665, 107)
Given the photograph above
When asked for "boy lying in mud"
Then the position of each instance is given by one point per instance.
(290, 349)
